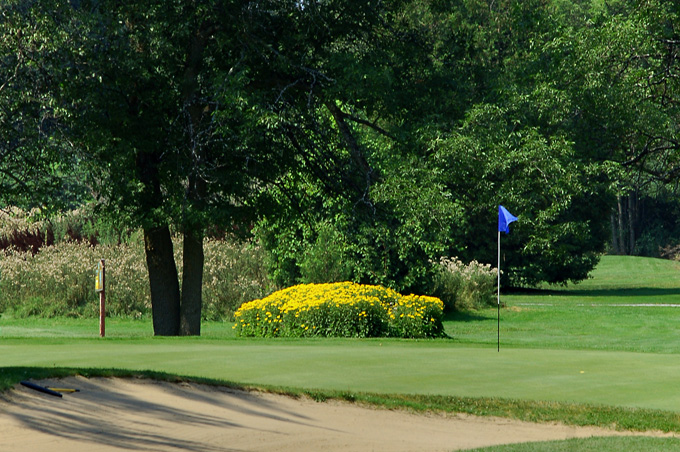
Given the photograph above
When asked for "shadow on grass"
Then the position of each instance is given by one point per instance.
(10, 376)
(575, 292)
(466, 316)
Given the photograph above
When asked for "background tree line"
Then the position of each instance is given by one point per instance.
(354, 140)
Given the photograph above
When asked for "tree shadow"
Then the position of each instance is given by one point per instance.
(577, 292)
(93, 415)
(466, 316)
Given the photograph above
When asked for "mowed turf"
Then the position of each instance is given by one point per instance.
(542, 357)
(612, 378)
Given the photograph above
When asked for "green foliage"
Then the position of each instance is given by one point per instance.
(387, 238)
(340, 309)
(325, 260)
(541, 180)
(37, 167)
(438, 165)
(464, 287)
(368, 139)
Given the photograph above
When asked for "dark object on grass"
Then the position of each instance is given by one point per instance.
(39, 388)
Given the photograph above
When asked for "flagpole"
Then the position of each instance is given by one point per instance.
(499, 291)
(504, 219)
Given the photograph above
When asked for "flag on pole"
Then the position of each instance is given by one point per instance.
(504, 219)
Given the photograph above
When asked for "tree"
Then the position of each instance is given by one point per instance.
(182, 111)
(34, 168)
(467, 127)
(615, 77)
(389, 130)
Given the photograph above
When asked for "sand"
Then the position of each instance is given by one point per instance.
(144, 415)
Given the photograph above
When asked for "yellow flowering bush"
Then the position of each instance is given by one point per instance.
(343, 309)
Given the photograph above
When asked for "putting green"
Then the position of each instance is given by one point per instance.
(428, 367)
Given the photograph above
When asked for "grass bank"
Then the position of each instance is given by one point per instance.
(609, 444)
(530, 411)
(633, 380)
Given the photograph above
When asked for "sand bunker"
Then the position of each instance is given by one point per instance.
(118, 414)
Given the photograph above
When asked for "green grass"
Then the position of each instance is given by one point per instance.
(631, 304)
(116, 327)
(576, 354)
(562, 326)
(620, 273)
(608, 444)
(636, 380)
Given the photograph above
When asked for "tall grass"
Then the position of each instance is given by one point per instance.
(464, 286)
(47, 269)
(235, 272)
(59, 279)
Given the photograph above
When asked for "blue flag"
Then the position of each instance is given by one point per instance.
(504, 219)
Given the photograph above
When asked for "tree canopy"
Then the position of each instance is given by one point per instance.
(357, 140)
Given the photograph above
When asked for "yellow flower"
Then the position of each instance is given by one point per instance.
(296, 301)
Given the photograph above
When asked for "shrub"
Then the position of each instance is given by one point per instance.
(31, 230)
(19, 230)
(463, 287)
(417, 316)
(340, 309)
(325, 261)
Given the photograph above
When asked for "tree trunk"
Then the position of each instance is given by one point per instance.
(352, 145)
(192, 254)
(622, 241)
(615, 236)
(192, 284)
(163, 281)
(631, 223)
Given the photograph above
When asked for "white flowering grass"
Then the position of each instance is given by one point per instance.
(465, 286)
(59, 279)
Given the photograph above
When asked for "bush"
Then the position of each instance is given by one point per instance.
(463, 287)
(324, 261)
(19, 231)
(340, 309)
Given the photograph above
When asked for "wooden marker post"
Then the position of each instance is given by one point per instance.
(100, 286)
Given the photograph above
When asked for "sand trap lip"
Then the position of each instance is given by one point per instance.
(120, 414)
